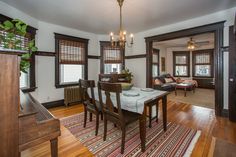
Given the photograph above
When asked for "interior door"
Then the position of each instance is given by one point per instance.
(232, 74)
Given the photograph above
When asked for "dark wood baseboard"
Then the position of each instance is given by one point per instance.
(225, 113)
(52, 104)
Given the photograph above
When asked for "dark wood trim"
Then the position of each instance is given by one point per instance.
(59, 37)
(45, 53)
(52, 104)
(136, 56)
(181, 53)
(232, 75)
(27, 90)
(217, 29)
(108, 43)
(225, 113)
(71, 38)
(211, 53)
(93, 57)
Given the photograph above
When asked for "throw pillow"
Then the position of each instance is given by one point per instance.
(168, 80)
(157, 82)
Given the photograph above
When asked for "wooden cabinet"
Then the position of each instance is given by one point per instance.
(9, 105)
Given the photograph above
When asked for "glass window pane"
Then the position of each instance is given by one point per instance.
(181, 71)
(24, 79)
(155, 58)
(181, 59)
(71, 73)
(110, 68)
(202, 70)
(154, 70)
(203, 58)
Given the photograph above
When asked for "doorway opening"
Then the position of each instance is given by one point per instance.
(216, 30)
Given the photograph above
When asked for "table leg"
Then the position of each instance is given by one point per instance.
(164, 111)
(150, 116)
(185, 91)
(175, 91)
(157, 107)
(142, 129)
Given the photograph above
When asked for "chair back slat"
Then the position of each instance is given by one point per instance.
(111, 89)
(84, 86)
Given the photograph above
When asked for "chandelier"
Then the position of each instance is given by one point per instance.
(121, 39)
(191, 44)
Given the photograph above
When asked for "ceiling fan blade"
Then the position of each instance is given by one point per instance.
(202, 42)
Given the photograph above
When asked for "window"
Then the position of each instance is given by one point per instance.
(181, 63)
(155, 62)
(203, 63)
(112, 58)
(27, 80)
(71, 60)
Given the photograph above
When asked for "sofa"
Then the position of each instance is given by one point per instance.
(164, 82)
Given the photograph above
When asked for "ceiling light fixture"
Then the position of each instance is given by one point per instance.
(122, 36)
(191, 44)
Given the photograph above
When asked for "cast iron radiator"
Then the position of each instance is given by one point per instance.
(72, 95)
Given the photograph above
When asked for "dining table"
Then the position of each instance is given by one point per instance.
(138, 100)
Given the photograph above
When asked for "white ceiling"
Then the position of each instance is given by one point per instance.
(102, 16)
(182, 42)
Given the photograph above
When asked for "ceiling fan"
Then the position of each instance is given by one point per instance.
(193, 44)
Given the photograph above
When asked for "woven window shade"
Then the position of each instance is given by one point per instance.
(112, 55)
(24, 40)
(71, 52)
(203, 58)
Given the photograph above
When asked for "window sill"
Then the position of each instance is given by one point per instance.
(27, 90)
(67, 84)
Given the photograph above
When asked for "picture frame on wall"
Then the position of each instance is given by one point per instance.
(163, 64)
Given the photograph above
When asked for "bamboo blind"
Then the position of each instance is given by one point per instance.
(20, 46)
(112, 55)
(202, 58)
(71, 52)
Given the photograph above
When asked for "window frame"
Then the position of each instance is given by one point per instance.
(106, 44)
(59, 37)
(181, 53)
(32, 83)
(194, 64)
(157, 51)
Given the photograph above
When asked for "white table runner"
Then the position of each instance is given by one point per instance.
(132, 103)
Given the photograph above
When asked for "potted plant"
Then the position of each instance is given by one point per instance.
(11, 41)
(128, 74)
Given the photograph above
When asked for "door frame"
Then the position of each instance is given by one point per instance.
(218, 30)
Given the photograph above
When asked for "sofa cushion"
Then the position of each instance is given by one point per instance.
(157, 82)
(169, 80)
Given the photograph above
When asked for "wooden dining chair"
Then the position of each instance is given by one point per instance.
(90, 104)
(114, 113)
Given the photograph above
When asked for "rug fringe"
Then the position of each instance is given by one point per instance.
(192, 144)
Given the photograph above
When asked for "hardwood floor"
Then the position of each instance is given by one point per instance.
(188, 115)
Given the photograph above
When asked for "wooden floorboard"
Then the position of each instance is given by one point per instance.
(185, 114)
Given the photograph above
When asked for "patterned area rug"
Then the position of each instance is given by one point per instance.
(177, 141)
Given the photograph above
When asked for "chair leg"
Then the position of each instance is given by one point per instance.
(150, 116)
(54, 147)
(90, 117)
(157, 108)
(97, 124)
(85, 116)
(105, 129)
(101, 116)
(123, 140)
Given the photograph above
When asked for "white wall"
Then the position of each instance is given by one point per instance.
(45, 66)
(140, 47)
(45, 41)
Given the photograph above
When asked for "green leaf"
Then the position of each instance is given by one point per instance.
(8, 25)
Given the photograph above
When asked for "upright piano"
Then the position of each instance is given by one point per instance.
(36, 125)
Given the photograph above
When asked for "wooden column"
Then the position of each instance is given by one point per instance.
(9, 105)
